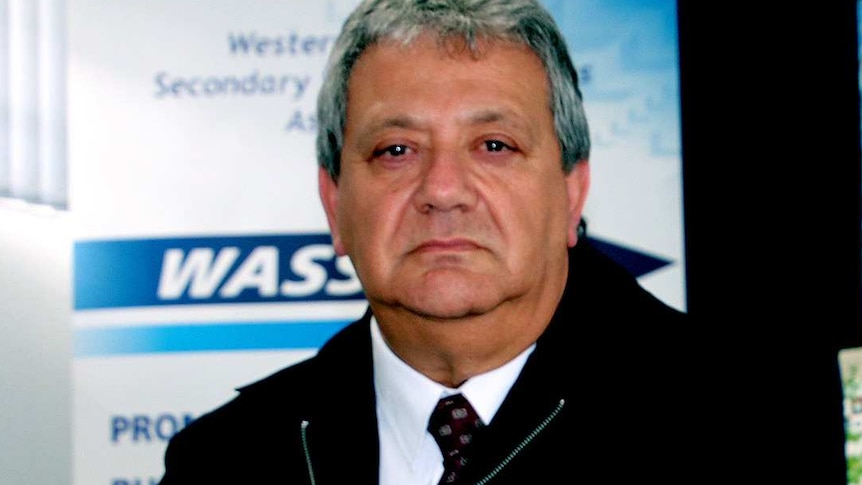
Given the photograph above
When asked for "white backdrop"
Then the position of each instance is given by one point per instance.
(202, 260)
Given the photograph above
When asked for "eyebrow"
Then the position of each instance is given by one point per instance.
(398, 121)
(486, 116)
(475, 118)
(494, 116)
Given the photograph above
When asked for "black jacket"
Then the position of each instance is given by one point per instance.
(603, 399)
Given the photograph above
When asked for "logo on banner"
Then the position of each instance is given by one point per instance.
(127, 273)
(204, 273)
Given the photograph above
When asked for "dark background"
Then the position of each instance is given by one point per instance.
(771, 170)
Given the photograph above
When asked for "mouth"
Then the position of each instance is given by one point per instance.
(446, 246)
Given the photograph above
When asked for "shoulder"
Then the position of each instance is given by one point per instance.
(277, 392)
(606, 316)
(271, 408)
(598, 284)
(624, 349)
(341, 357)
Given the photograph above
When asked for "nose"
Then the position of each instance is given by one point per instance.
(446, 183)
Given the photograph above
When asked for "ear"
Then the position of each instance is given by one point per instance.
(328, 189)
(577, 185)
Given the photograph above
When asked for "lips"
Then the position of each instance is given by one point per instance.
(446, 245)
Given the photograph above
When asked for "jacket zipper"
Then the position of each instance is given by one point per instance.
(303, 428)
(523, 444)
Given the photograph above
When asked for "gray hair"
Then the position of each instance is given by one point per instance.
(523, 22)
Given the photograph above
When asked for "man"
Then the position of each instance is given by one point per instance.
(453, 153)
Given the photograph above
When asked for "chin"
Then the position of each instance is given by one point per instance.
(449, 293)
(451, 304)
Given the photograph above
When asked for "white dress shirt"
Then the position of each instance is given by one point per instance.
(405, 399)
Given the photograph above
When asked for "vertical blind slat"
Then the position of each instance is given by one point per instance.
(23, 89)
(4, 99)
(33, 101)
(52, 103)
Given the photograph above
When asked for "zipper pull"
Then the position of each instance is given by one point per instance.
(303, 430)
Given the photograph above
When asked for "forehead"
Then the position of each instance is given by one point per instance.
(497, 75)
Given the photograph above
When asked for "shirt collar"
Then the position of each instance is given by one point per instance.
(406, 398)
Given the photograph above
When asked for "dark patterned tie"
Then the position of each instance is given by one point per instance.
(453, 425)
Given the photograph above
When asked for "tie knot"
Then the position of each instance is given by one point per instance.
(453, 424)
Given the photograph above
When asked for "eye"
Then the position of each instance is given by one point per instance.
(496, 146)
(392, 151)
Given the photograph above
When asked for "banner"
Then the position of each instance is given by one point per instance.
(202, 259)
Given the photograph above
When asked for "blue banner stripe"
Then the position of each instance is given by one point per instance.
(95, 342)
(210, 270)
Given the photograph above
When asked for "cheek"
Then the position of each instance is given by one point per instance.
(365, 219)
(531, 197)
(543, 212)
(346, 217)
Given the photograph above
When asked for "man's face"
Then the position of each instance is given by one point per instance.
(452, 200)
